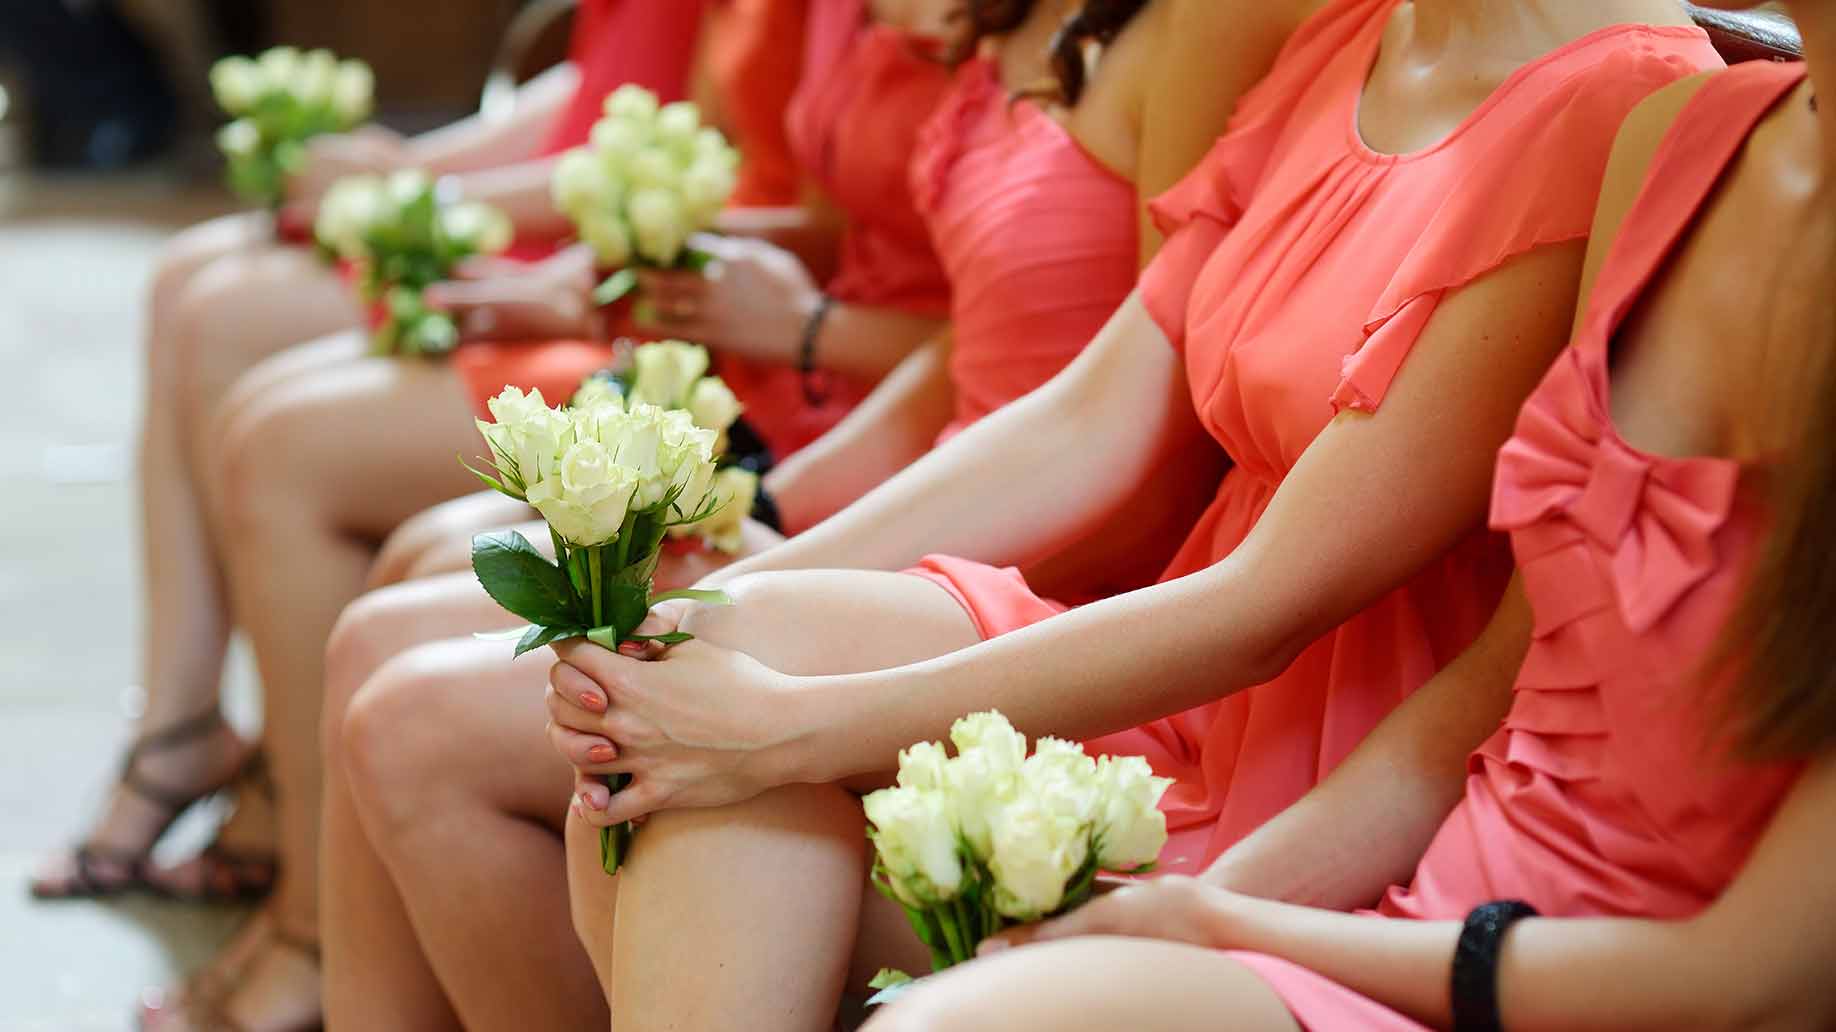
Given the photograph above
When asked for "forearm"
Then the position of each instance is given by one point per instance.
(866, 342)
(809, 231)
(521, 191)
(479, 142)
(1051, 481)
(1366, 827)
(888, 431)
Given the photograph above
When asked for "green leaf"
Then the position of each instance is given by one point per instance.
(492, 482)
(616, 286)
(628, 605)
(696, 260)
(604, 637)
(510, 635)
(540, 636)
(709, 598)
(672, 638)
(898, 984)
(889, 977)
(523, 581)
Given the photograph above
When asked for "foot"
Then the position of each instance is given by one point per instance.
(239, 864)
(160, 780)
(265, 980)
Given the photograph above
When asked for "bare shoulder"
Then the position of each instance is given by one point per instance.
(1634, 148)
(1601, 14)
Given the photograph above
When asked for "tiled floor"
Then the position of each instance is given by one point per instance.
(74, 259)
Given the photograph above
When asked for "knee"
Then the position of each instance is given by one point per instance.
(263, 461)
(390, 745)
(741, 626)
(366, 635)
(188, 253)
(425, 545)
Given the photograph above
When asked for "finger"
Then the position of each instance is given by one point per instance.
(588, 753)
(1005, 940)
(578, 700)
(488, 266)
(634, 802)
(464, 295)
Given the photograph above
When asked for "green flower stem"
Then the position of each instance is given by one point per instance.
(953, 935)
(596, 577)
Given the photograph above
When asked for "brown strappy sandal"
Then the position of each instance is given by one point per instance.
(205, 997)
(131, 870)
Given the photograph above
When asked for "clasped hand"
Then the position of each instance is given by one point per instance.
(695, 726)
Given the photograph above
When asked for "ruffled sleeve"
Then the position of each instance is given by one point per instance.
(1527, 177)
(1197, 212)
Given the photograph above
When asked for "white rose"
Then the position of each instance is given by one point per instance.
(652, 167)
(981, 784)
(236, 83)
(1036, 853)
(916, 841)
(677, 126)
(666, 372)
(316, 79)
(734, 490)
(406, 186)
(924, 766)
(713, 405)
(582, 185)
(614, 141)
(354, 92)
(480, 227)
(686, 451)
(1131, 827)
(239, 139)
(349, 210)
(710, 145)
(706, 188)
(659, 226)
(587, 499)
(637, 440)
(1063, 780)
(609, 238)
(990, 733)
(540, 442)
(279, 67)
(633, 103)
(597, 392)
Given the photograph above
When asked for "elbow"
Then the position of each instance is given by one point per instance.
(1268, 654)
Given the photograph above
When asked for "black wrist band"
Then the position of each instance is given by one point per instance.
(1475, 964)
(815, 391)
(765, 510)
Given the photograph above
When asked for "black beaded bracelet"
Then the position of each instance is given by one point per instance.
(765, 510)
(1475, 964)
(815, 392)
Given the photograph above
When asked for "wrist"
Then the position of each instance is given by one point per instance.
(795, 755)
(1218, 914)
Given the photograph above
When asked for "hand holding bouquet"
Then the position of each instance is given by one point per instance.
(611, 481)
(649, 178)
(279, 101)
(403, 240)
(975, 843)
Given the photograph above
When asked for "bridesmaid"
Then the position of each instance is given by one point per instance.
(314, 467)
(1395, 223)
(1663, 802)
(226, 295)
(1067, 166)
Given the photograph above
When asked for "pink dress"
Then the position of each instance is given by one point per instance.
(1300, 268)
(854, 126)
(1607, 792)
(1040, 240)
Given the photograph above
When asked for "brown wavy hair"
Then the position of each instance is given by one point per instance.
(1098, 21)
(1782, 639)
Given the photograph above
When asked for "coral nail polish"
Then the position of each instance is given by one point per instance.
(602, 754)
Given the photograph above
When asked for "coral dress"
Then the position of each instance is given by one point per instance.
(1606, 792)
(854, 125)
(1041, 241)
(1300, 269)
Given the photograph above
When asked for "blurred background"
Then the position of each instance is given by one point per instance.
(106, 148)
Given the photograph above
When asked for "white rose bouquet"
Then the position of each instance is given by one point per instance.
(972, 844)
(611, 481)
(404, 239)
(277, 102)
(673, 374)
(649, 177)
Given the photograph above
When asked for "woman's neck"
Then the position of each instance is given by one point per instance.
(1817, 23)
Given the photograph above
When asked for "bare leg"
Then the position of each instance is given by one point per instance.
(222, 298)
(1096, 984)
(752, 916)
(443, 755)
(315, 470)
(375, 972)
(440, 539)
